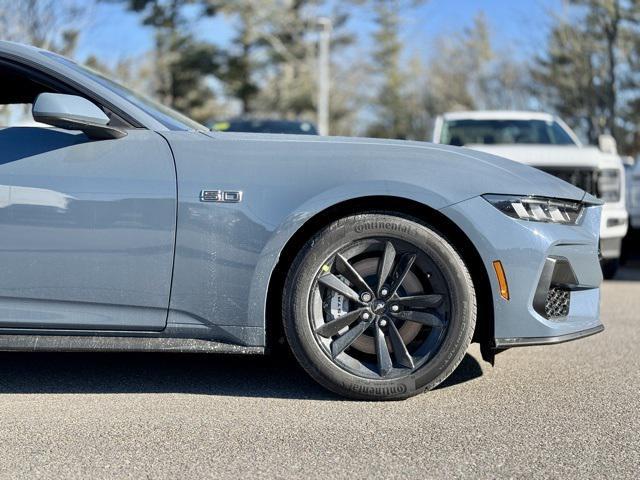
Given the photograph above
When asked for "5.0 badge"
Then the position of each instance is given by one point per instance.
(221, 196)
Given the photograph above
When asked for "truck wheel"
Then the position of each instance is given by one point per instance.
(610, 267)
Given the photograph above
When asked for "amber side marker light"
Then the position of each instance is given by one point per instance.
(502, 279)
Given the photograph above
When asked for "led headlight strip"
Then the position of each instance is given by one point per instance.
(538, 209)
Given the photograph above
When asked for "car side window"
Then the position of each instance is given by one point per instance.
(16, 97)
(21, 87)
(17, 115)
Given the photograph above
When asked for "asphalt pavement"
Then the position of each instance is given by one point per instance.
(564, 411)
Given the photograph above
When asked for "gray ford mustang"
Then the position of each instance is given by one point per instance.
(130, 227)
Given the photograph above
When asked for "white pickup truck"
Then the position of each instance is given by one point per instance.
(632, 169)
(546, 142)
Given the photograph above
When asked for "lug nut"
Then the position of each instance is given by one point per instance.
(366, 316)
(384, 292)
(366, 297)
(383, 323)
(395, 308)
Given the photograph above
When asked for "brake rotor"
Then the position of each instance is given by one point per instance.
(339, 306)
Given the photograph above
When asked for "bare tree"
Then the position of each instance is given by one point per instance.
(468, 72)
(50, 24)
(589, 71)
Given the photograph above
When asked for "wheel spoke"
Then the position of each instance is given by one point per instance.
(385, 265)
(402, 269)
(400, 352)
(331, 328)
(393, 309)
(351, 274)
(382, 351)
(334, 283)
(424, 318)
(341, 343)
(420, 301)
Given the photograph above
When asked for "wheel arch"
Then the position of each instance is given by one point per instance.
(484, 333)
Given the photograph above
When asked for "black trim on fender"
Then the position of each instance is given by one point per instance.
(500, 343)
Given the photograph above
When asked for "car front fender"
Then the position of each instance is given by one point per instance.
(294, 221)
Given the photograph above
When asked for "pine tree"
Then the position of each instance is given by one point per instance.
(240, 66)
(399, 113)
(182, 62)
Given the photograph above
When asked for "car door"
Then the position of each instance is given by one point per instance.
(87, 230)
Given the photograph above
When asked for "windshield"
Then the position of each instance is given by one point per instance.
(165, 115)
(488, 132)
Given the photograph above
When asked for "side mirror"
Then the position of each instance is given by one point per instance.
(607, 144)
(71, 112)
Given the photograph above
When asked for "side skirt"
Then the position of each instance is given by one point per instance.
(69, 343)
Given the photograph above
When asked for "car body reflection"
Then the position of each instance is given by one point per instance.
(14, 195)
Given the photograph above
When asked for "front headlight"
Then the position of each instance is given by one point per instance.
(538, 209)
(609, 185)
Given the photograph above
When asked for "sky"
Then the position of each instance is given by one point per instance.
(518, 25)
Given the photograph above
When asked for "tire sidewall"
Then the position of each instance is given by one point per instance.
(302, 281)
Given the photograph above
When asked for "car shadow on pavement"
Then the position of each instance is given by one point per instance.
(469, 369)
(231, 375)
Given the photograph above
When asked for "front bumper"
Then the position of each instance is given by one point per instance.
(502, 343)
(524, 248)
(613, 227)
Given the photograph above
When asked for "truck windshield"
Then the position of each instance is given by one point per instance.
(487, 132)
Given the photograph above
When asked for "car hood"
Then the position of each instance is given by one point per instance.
(453, 173)
(551, 155)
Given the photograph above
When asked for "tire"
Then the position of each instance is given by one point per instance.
(610, 268)
(422, 295)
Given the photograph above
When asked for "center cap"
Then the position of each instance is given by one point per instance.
(378, 307)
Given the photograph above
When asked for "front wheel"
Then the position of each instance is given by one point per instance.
(379, 307)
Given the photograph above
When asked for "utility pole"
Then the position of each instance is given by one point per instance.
(324, 77)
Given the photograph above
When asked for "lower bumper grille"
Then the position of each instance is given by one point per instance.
(552, 299)
(558, 302)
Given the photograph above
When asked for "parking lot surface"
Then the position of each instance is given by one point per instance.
(565, 411)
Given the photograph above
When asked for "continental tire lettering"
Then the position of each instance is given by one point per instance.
(377, 390)
(391, 226)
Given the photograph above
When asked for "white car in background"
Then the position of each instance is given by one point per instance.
(544, 141)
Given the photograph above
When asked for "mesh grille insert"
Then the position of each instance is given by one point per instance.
(557, 304)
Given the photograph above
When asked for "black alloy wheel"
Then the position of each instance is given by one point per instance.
(379, 306)
(405, 323)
